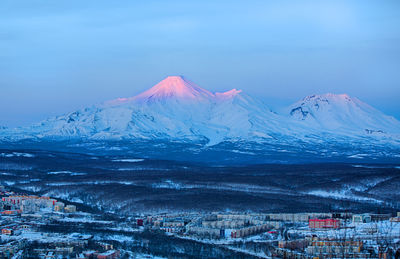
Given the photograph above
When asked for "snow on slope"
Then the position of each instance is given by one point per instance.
(175, 108)
(178, 109)
(342, 113)
(172, 87)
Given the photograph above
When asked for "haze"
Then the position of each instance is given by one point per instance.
(59, 56)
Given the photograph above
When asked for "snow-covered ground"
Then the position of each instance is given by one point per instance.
(129, 160)
(67, 172)
(16, 154)
(341, 195)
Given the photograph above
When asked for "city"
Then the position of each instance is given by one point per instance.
(42, 227)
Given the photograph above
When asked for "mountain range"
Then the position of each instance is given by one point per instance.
(177, 109)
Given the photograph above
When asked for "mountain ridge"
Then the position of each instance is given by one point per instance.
(179, 110)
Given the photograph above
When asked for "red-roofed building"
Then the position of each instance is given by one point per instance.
(11, 212)
(6, 231)
(324, 223)
(111, 254)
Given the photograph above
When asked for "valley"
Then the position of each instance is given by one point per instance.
(121, 185)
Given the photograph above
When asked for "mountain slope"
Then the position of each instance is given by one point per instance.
(343, 114)
(176, 109)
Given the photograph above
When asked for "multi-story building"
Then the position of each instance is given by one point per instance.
(70, 209)
(59, 206)
(361, 218)
(111, 254)
(29, 203)
(331, 248)
(247, 231)
(203, 231)
(323, 223)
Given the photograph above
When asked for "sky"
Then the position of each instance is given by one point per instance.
(60, 56)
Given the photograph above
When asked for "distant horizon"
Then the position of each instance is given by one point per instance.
(278, 107)
(60, 57)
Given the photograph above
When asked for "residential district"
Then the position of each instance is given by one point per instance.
(44, 227)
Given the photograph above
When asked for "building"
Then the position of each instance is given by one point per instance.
(11, 212)
(204, 232)
(174, 224)
(70, 209)
(106, 246)
(395, 219)
(330, 248)
(171, 229)
(361, 218)
(248, 231)
(111, 254)
(226, 223)
(29, 203)
(30, 206)
(296, 217)
(90, 254)
(274, 224)
(59, 206)
(380, 217)
(6, 231)
(323, 223)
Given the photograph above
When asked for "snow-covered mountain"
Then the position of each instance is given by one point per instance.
(177, 109)
(343, 114)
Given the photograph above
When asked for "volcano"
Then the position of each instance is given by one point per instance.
(177, 109)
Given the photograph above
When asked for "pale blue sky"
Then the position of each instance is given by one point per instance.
(59, 56)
